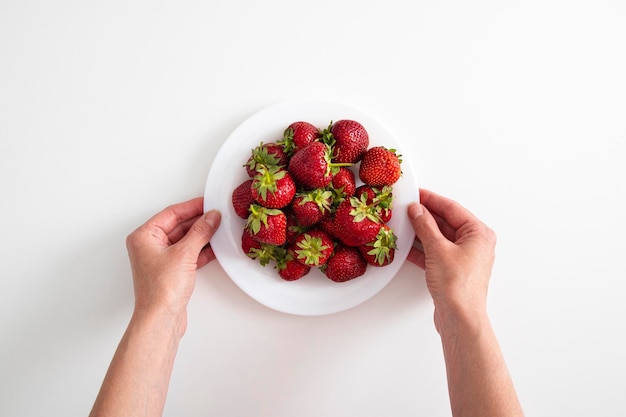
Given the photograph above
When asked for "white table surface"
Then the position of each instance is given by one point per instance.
(109, 111)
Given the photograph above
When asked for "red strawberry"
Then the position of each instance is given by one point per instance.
(256, 250)
(381, 250)
(289, 268)
(344, 180)
(268, 155)
(293, 229)
(327, 224)
(313, 248)
(303, 207)
(273, 187)
(385, 214)
(311, 166)
(380, 198)
(366, 190)
(267, 225)
(384, 202)
(310, 207)
(356, 222)
(349, 138)
(345, 264)
(380, 166)
(242, 198)
(297, 136)
(248, 242)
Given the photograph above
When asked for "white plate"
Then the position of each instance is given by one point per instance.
(313, 294)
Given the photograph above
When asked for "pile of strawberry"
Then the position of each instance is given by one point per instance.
(303, 208)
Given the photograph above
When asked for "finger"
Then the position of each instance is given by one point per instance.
(417, 257)
(425, 226)
(206, 256)
(449, 210)
(168, 219)
(181, 230)
(445, 228)
(201, 232)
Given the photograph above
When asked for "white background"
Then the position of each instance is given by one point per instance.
(109, 111)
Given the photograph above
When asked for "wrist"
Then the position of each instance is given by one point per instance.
(161, 320)
(460, 320)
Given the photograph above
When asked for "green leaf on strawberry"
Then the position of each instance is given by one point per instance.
(381, 251)
(266, 180)
(314, 247)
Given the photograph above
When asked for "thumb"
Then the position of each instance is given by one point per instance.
(424, 224)
(201, 231)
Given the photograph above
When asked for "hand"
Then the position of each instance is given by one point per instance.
(166, 252)
(457, 256)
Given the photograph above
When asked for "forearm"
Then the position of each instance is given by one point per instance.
(479, 382)
(137, 380)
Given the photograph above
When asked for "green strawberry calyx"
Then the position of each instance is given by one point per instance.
(382, 246)
(267, 178)
(332, 168)
(321, 197)
(310, 249)
(283, 256)
(259, 215)
(361, 210)
(265, 254)
(327, 136)
(261, 157)
(337, 196)
(287, 142)
(383, 200)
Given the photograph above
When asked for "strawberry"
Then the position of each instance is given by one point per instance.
(268, 155)
(344, 180)
(267, 225)
(381, 250)
(254, 249)
(384, 214)
(356, 222)
(242, 198)
(384, 202)
(381, 199)
(293, 228)
(345, 264)
(349, 140)
(327, 224)
(367, 191)
(297, 136)
(303, 208)
(309, 207)
(273, 187)
(380, 166)
(311, 166)
(289, 268)
(248, 242)
(313, 248)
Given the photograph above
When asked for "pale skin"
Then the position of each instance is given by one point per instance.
(457, 257)
(165, 253)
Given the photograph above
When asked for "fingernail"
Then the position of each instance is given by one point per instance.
(415, 210)
(212, 218)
